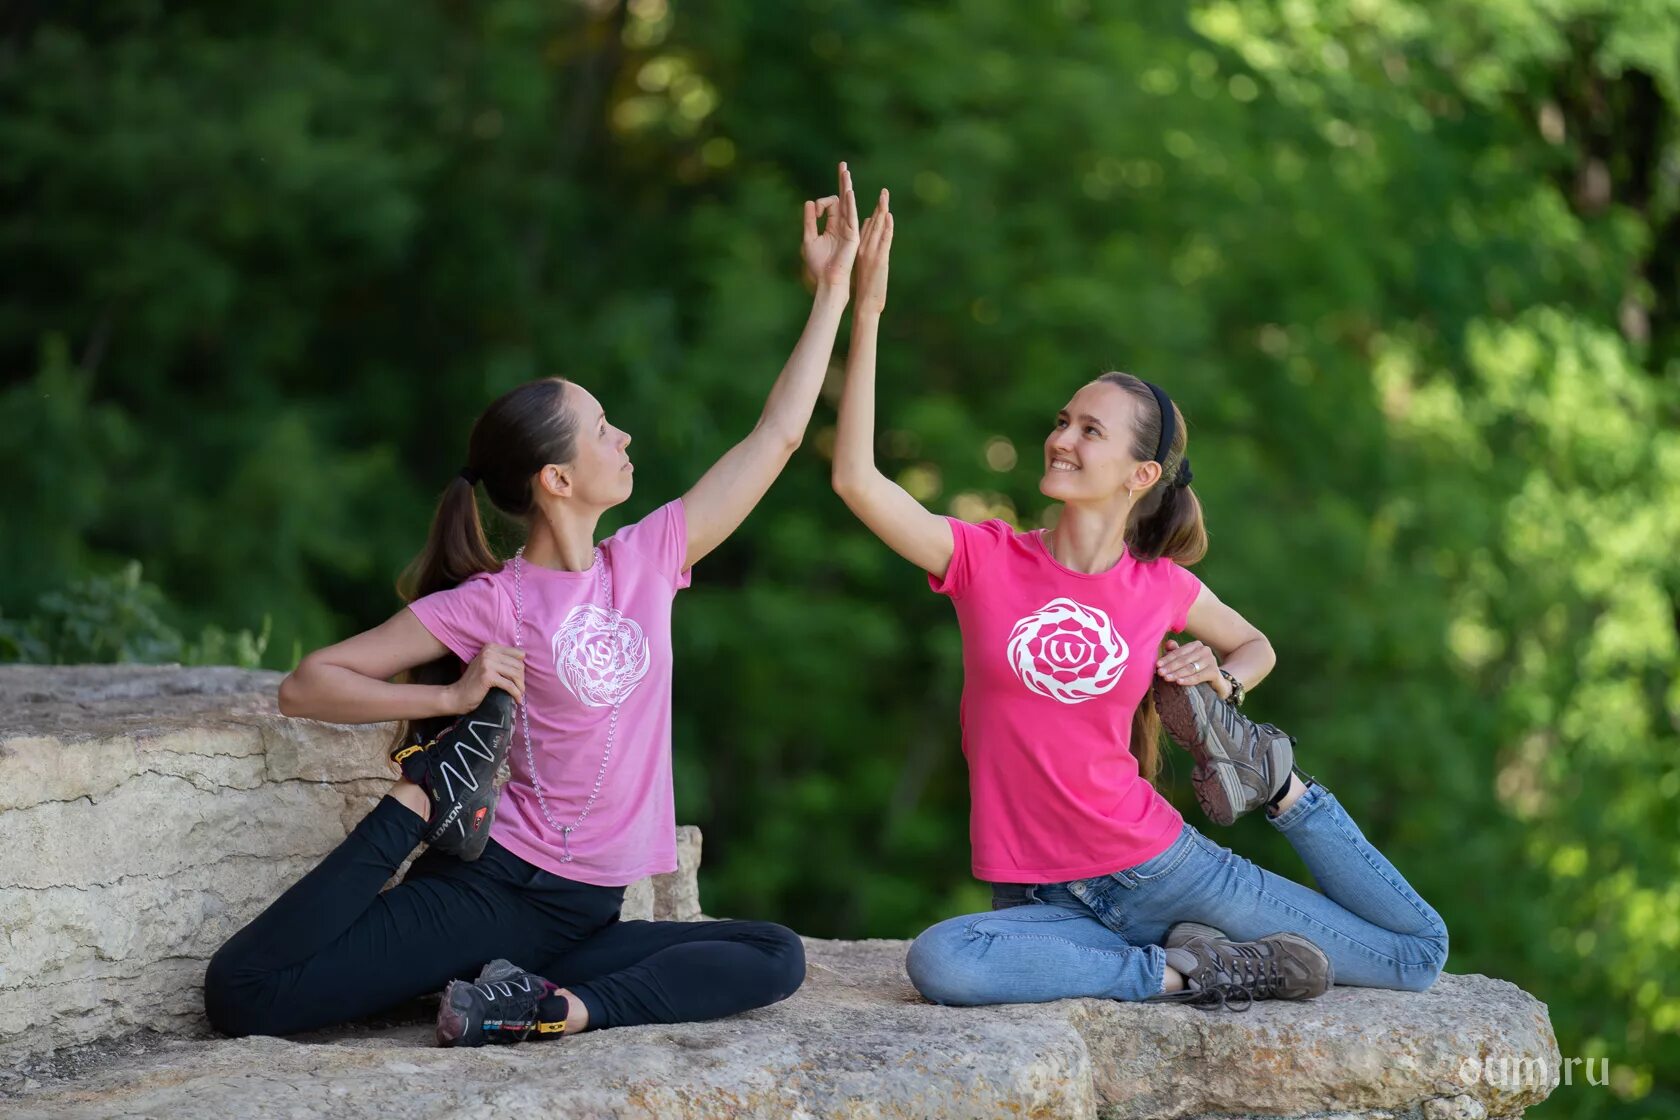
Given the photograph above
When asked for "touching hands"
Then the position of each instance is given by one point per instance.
(873, 251)
(828, 255)
(495, 666)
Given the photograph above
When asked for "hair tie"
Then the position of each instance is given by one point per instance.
(469, 476)
(1185, 474)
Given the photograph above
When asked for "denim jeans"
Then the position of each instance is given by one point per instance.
(1102, 936)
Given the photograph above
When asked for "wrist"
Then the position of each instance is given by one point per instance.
(445, 701)
(1230, 688)
(831, 295)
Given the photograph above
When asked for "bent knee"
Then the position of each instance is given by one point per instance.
(231, 996)
(1420, 975)
(939, 969)
(787, 958)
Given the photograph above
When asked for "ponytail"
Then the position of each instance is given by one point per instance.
(522, 431)
(1166, 522)
(456, 550)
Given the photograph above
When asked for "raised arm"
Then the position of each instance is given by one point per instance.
(921, 537)
(728, 491)
(1221, 635)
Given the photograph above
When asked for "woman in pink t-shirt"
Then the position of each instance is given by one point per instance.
(1100, 888)
(567, 653)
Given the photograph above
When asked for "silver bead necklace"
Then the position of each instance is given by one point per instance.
(565, 831)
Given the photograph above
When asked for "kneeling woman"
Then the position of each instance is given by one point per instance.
(568, 653)
(1100, 888)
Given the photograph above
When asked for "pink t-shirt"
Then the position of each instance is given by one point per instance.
(1055, 664)
(583, 656)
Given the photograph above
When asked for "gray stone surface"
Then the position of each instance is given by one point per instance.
(146, 813)
(856, 1041)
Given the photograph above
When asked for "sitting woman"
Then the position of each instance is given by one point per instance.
(1100, 888)
(567, 652)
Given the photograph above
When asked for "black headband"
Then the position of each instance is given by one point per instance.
(1169, 429)
(1168, 423)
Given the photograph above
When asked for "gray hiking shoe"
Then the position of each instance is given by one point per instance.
(1239, 763)
(1233, 974)
(1180, 932)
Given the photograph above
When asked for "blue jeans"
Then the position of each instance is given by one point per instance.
(1102, 936)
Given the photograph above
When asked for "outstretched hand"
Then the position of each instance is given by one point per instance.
(828, 255)
(873, 251)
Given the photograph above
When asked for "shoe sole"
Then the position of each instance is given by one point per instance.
(465, 830)
(1214, 767)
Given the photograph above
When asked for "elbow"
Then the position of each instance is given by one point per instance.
(846, 483)
(294, 690)
(288, 698)
(785, 439)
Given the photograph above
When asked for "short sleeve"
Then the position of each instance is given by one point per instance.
(465, 617)
(1183, 587)
(661, 540)
(971, 546)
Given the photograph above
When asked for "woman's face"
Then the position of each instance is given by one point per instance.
(600, 469)
(1088, 454)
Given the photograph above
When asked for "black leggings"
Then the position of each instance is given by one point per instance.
(334, 948)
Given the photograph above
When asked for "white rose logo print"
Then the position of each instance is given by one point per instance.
(1067, 651)
(600, 655)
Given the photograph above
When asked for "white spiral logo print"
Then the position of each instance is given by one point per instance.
(599, 655)
(1067, 651)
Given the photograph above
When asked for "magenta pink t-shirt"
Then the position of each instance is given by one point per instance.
(584, 655)
(1055, 664)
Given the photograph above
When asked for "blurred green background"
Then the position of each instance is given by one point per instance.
(1412, 271)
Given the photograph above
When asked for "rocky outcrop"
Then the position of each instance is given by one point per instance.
(856, 1041)
(146, 813)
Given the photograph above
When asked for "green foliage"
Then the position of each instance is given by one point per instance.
(1409, 269)
(118, 618)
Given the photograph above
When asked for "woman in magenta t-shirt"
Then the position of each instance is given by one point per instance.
(1100, 888)
(579, 634)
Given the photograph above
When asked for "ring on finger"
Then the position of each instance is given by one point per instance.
(1196, 665)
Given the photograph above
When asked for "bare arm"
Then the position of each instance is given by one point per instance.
(729, 490)
(350, 681)
(1224, 637)
(909, 529)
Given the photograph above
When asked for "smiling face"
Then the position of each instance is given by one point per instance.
(1088, 456)
(600, 473)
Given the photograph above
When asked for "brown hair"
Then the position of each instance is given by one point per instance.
(522, 431)
(1166, 521)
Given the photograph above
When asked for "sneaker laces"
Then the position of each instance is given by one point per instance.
(1233, 971)
(514, 1002)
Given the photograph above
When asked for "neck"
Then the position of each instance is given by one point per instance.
(563, 539)
(1088, 539)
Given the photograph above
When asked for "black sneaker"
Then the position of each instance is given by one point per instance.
(458, 772)
(1233, 974)
(1240, 764)
(501, 1006)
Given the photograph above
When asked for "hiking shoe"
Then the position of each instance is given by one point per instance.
(1233, 974)
(501, 1006)
(1180, 932)
(457, 770)
(1240, 764)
